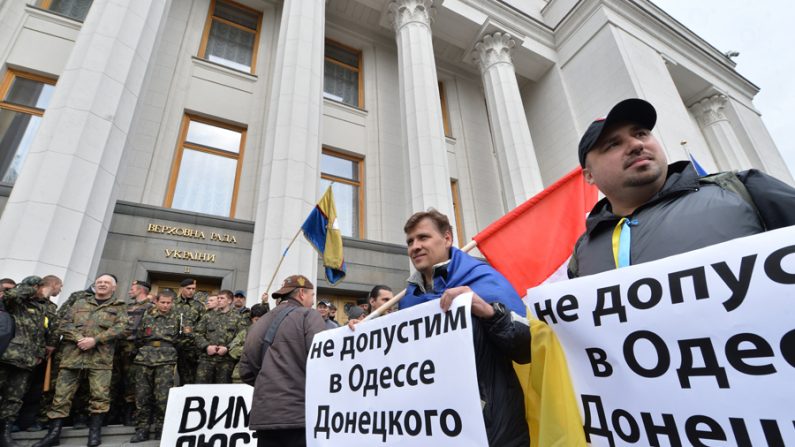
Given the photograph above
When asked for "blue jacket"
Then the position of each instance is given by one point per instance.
(464, 270)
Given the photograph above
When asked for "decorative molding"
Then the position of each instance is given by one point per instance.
(709, 110)
(403, 12)
(493, 49)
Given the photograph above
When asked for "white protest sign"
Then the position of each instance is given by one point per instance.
(404, 379)
(687, 350)
(208, 415)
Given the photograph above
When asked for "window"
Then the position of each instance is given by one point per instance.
(346, 173)
(74, 9)
(206, 170)
(343, 74)
(459, 218)
(231, 35)
(23, 99)
(445, 113)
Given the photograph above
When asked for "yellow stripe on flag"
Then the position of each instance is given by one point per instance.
(550, 403)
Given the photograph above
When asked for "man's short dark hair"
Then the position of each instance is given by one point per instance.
(441, 221)
(258, 310)
(8, 280)
(377, 290)
(166, 292)
(227, 293)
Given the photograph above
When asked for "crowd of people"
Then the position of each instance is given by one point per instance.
(126, 354)
(102, 358)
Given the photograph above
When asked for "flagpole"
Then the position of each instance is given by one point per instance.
(284, 253)
(466, 249)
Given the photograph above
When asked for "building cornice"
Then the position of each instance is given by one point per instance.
(655, 24)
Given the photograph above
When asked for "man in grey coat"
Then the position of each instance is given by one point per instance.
(651, 209)
(277, 371)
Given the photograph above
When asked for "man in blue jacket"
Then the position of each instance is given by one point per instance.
(500, 332)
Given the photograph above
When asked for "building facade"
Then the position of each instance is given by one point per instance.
(159, 139)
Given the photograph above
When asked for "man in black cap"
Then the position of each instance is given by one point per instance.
(654, 209)
(277, 411)
(188, 311)
(239, 304)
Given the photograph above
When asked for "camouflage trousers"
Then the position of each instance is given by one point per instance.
(186, 366)
(67, 383)
(151, 394)
(14, 384)
(214, 371)
(124, 371)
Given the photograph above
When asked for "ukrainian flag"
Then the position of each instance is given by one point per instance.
(323, 232)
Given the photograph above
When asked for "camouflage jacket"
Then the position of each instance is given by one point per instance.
(87, 318)
(27, 346)
(218, 328)
(157, 338)
(51, 323)
(188, 312)
(236, 347)
(135, 312)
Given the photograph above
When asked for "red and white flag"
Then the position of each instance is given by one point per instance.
(533, 242)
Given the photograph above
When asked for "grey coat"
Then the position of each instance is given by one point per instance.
(687, 214)
(279, 380)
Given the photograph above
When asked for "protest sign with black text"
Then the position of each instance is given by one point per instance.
(211, 415)
(405, 379)
(687, 350)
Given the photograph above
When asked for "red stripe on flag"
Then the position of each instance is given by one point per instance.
(529, 243)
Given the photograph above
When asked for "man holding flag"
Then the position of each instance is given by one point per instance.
(651, 209)
(501, 333)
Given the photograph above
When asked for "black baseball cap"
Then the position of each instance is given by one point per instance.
(633, 110)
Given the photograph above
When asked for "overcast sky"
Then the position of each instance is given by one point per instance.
(762, 31)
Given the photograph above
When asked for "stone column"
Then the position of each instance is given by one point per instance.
(421, 108)
(717, 130)
(290, 170)
(58, 214)
(516, 156)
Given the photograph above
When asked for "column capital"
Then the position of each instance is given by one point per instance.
(403, 12)
(710, 109)
(493, 49)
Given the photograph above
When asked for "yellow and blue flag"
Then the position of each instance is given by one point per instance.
(323, 232)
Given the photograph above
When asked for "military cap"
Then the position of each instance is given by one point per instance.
(240, 293)
(187, 282)
(291, 283)
(32, 280)
(141, 283)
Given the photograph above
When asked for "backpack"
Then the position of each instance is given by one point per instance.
(730, 182)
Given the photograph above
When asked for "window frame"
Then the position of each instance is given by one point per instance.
(182, 144)
(209, 23)
(47, 4)
(359, 69)
(459, 218)
(8, 80)
(448, 132)
(5, 87)
(360, 183)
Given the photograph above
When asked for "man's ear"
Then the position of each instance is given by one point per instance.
(448, 239)
(588, 176)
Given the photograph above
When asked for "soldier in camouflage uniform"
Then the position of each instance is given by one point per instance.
(25, 303)
(80, 401)
(123, 366)
(236, 347)
(189, 311)
(239, 304)
(157, 338)
(89, 331)
(213, 335)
